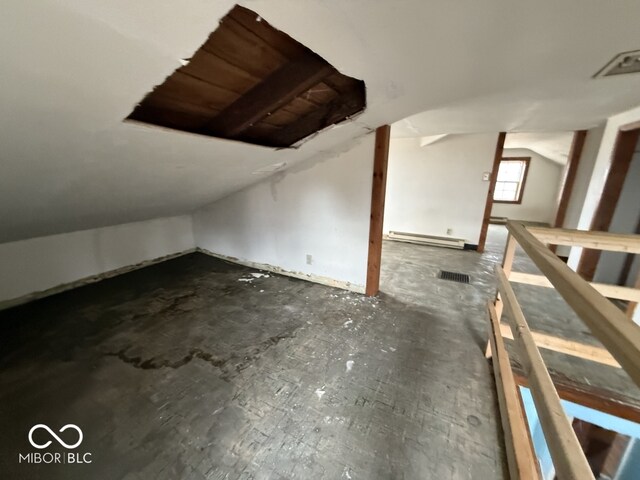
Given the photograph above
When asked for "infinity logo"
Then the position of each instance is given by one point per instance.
(60, 441)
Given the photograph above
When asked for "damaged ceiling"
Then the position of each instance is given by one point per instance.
(72, 70)
(252, 83)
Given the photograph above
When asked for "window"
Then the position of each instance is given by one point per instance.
(512, 175)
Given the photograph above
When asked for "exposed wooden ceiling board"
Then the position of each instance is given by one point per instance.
(276, 38)
(189, 89)
(232, 42)
(228, 76)
(252, 83)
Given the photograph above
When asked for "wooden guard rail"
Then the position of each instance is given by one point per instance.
(607, 322)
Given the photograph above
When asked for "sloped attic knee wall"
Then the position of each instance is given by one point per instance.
(311, 221)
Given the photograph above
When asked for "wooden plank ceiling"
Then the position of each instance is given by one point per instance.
(252, 83)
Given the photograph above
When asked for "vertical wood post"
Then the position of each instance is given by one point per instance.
(492, 186)
(568, 179)
(378, 190)
(621, 160)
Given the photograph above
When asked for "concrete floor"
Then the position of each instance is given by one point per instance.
(185, 370)
(195, 368)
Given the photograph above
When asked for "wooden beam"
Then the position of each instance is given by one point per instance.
(569, 178)
(612, 242)
(608, 291)
(520, 456)
(607, 322)
(347, 104)
(378, 190)
(575, 349)
(486, 217)
(275, 91)
(590, 396)
(623, 150)
(568, 458)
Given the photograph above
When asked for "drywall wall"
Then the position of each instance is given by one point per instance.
(599, 174)
(625, 220)
(43, 263)
(539, 199)
(438, 189)
(320, 209)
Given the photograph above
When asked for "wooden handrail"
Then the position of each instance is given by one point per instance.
(607, 323)
(613, 242)
(566, 452)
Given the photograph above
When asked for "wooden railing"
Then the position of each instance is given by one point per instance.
(619, 335)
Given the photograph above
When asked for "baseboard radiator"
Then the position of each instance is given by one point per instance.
(447, 242)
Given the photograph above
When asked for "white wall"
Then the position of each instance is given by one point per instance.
(38, 264)
(539, 200)
(438, 187)
(599, 174)
(320, 208)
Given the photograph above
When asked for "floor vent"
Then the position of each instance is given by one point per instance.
(454, 276)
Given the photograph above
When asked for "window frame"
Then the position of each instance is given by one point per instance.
(523, 182)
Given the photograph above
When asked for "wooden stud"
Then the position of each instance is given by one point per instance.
(590, 396)
(632, 305)
(486, 217)
(613, 242)
(507, 265)
(608, 291)
(378, 191)
(568, 458)
(575, 349)
(623, 151)
(568, 179)
(520, 456)
(606, 321)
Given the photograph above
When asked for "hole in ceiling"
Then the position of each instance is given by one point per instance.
(253, 83)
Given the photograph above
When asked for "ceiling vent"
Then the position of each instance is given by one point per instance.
(626, 62)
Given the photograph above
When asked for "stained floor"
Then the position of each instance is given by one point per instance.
(196, 368)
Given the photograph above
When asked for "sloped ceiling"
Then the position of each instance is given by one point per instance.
(72, 70)
(554, 146)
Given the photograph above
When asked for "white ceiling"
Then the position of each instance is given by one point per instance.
(72, 70)
(554, 146)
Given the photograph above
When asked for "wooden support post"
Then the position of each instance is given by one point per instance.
(378, 190)
(520, 456)
(606, 321)
(569, 178)
(568, 458)
(621, 160)
(486, 217)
